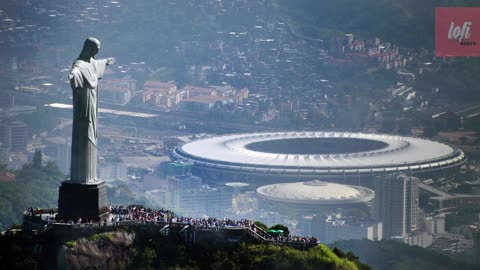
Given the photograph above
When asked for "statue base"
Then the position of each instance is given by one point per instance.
(87, 201)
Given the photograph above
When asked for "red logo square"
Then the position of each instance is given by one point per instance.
(457, 31)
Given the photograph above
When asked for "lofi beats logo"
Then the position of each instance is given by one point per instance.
(457, 31)
(460, 33)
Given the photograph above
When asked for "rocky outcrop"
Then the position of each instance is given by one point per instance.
(109, 250)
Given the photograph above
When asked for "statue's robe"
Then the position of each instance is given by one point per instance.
(84, 78)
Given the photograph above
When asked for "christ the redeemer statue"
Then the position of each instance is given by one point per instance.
(84, 76)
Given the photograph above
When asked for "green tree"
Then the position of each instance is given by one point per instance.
(284, 228)
(261, 225)
(34, 187)
(37, 159)
(339, 252)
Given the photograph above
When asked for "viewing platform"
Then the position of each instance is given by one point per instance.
(40, 222)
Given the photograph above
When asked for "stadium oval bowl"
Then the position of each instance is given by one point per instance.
(313, 154)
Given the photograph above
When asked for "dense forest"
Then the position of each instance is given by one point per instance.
(35, 186)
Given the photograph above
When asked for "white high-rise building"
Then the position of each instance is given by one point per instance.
(435, 225)
(61, 152)
(110, 171)
(188, 195)
(64, 155)
(396, 204)
(14, 135)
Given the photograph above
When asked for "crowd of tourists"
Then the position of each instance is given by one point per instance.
(38, 211)
(280, 238)
(125, 214)
(140, 214)
(297, 239)
(137, 213)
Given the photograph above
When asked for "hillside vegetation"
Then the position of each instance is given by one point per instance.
(147, 250)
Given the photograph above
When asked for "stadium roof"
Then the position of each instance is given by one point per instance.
(320, 153)
(315, 193)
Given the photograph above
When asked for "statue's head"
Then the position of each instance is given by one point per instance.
(90, 48)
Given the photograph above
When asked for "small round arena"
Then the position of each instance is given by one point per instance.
(312, 197)
(315, 193)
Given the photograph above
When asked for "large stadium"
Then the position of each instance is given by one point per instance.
(310, 155)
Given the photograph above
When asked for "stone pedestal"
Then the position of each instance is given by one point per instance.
(85, 201)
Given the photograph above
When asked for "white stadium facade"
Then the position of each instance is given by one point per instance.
(312, 197)
(286, 156)
(314, 194)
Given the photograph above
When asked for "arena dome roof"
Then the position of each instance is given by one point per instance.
(315, 193)
(319, 153)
